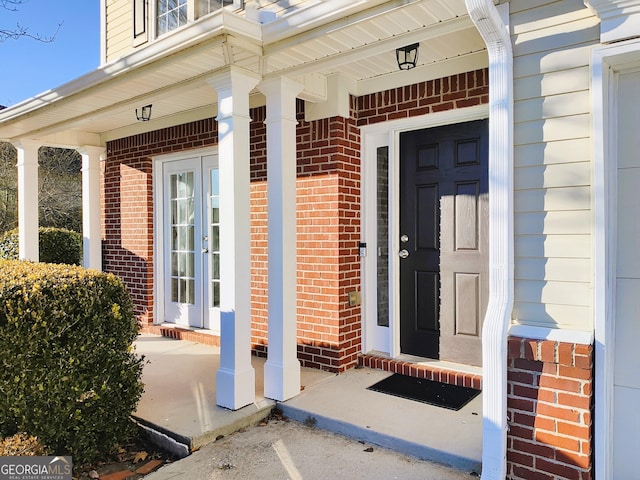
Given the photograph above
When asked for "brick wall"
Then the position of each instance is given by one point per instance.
(328, 211)
(549, 403)
(458, 91)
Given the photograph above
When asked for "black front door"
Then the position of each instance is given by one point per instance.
(443, 241)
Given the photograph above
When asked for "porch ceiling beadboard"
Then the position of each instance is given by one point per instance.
(307, 45)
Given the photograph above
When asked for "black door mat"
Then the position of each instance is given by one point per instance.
(439, 394)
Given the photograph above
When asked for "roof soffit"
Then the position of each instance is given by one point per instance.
(171, 73)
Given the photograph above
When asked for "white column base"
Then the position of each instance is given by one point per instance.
(235, 388)
(281, 382)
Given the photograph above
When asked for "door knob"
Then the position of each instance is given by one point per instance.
(205, 250)
(404, 253)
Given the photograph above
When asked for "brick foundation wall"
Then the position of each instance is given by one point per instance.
(550, 404)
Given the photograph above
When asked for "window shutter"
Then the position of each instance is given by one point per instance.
(140, 21)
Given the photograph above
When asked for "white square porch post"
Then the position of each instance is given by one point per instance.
(28, 199)
(235, 380)
(282, 369)
(91, 241)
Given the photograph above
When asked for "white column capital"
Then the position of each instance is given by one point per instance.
(92, 151)
(233, 88)
(27, 150)
(281, 93)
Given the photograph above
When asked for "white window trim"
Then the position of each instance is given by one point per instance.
(606, 62)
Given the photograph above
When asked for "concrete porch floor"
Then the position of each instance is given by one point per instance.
(179, 407)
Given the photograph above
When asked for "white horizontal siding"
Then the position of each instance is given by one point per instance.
(545, 247)
(556, 14)
(554, 223)
(550, 176)
(550, 199)
(119, 28)
(565, 34)
(552, 129)
(538, 314)
(550, 105)
(553, 174)
(553, 269)
(557, 293)
(553, 83)
(552, 153)
(538, 63)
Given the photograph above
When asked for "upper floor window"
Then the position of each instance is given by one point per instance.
(171, 14)
(208, 6)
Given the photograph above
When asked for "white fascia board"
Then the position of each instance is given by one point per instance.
(220, 23)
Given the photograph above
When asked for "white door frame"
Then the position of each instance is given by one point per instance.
(606, 62)
(159, 228)
(373, 136)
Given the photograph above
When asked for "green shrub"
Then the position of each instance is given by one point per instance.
(68, 374)
(56, 245)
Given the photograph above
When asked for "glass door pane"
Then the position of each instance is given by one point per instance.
(382, 207)
(182, 226)
(181, 242)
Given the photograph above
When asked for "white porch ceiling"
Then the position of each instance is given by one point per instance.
(171, 73)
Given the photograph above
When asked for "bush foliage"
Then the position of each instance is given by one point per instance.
(68, 374)
(56, 245)
(21, 445)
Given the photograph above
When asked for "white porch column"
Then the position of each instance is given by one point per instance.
(28, 199)
(282, 369)
(235, 380)
(91, 241)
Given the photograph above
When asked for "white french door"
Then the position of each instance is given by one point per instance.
(190, 246)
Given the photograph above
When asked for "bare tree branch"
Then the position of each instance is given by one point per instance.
(21, 31)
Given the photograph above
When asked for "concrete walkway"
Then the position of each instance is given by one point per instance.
(179, 408)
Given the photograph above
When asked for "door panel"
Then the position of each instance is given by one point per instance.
(183, 269)
(191, 242)
(444, 213)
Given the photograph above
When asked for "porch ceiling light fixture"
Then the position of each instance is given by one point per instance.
(407, 56)
(145, 113)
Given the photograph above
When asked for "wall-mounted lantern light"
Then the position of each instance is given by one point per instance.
(145, 113)
(407, 56)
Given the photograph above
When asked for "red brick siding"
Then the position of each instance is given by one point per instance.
(328, 211)
(549, 403)
(458, 91)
